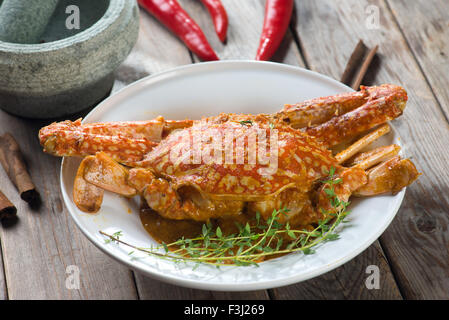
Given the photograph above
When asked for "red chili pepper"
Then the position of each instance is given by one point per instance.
(219, 17)
(173, 16)
(277, 18)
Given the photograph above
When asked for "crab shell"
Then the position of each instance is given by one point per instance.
(300, 159)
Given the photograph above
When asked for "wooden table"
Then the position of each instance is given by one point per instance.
(412, 254)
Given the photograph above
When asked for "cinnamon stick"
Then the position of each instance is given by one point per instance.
(12, 161)
(364, 68)
(7, 209)
(358, 65)
(353, 63)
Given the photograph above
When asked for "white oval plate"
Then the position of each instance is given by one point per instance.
(207, 89)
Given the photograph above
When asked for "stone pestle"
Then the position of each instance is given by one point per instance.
(25, 21)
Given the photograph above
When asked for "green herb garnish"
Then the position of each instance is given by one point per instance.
(115, 237)
(246, 123)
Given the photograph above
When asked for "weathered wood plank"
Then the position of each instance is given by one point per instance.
(425, 25)
(417, 240)
(156, 290)
(156, 50)
(40, 246)
(347, 281)
(3, 290)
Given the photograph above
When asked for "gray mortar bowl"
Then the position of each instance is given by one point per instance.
(70, 70)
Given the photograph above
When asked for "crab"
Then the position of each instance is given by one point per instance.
(223, 166)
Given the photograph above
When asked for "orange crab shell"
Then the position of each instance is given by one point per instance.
(299, 159)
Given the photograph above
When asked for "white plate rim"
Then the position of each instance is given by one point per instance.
(209, 285)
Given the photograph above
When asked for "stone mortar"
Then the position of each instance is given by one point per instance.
(65, 76)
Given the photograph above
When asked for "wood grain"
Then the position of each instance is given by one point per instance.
(40, 245)
(155, 290)
(416, 243)
(347, 282)
(425, 25)
(3, 289)
(156, 50)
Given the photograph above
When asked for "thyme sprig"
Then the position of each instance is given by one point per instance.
(115, 237)
(254, 241)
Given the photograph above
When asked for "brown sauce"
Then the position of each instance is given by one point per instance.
(167, 231)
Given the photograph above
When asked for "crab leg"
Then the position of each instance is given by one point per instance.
(96, 174)
(390, 176)
(350, 179)
(103, 172)
(320, 110)
(100, 172)
(361, 143)
(125, 141)
(355, 122)
(370, 158)
(161, 197)
(87, 197)
(151, 129)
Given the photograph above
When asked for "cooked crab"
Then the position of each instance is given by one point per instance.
(225, 165)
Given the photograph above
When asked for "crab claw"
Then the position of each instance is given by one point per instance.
(125, 141)
(103, 172)
(96, 174)
(86, 196)
(389, 177)
(319, 110)
(376, 111)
